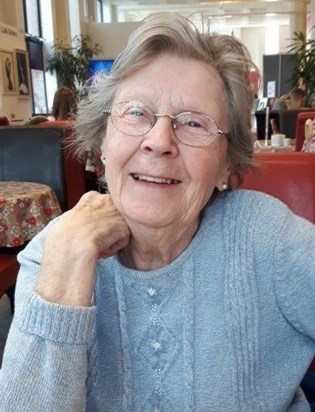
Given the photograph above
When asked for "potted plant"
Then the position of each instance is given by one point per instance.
(304, 72)
(71, 62)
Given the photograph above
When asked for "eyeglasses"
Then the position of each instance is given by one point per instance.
(190, 128)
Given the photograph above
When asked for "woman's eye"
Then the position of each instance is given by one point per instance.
(135, 112)
(193, 123)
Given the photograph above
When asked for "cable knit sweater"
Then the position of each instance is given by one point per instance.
(228, 326)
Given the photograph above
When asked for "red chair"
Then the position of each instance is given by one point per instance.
(299, 131)
(9, 268)
(290, 177)
(4, 121)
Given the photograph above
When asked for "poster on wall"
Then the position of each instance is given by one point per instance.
(8, 85)
(271, 88)
(22, 74)
(262, 104)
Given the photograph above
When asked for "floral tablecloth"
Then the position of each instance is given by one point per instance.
(25, 209)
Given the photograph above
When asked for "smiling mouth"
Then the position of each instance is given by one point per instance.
(152, 179)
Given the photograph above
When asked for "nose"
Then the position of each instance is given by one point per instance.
(161, 139)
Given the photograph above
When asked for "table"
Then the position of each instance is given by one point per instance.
(25, 209)
(259, 146)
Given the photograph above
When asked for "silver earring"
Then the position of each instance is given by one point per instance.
(103, 160)
(224, 186)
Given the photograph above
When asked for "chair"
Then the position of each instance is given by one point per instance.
(4, 121)
(9, 268)
(299, 132)
(8, 272)
(38, 154)
(290, 177)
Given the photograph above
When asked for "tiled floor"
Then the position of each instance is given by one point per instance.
(5, 321)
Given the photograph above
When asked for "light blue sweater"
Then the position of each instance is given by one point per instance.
(228, 326)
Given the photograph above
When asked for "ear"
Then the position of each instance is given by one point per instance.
(103, 160)
(223, 186)
(104, 151)
(223, 180)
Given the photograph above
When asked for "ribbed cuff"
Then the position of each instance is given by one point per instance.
(59, 323)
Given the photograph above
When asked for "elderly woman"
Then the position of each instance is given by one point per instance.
(170, 293)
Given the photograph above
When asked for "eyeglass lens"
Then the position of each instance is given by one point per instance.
(191, 128)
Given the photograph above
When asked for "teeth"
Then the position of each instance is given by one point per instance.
(155, 179)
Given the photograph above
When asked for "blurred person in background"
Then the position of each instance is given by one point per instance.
(294, 100)
(64, 104)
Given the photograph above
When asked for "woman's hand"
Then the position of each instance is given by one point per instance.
(92, 229)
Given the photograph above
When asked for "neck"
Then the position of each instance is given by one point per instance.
(153, 248)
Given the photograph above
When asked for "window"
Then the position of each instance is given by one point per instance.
(100, 13)
(32, 21)
(36, 58)
(34, 44)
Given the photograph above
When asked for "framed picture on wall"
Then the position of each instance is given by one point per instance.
(8, 85)
(262, 104)
(22, 74)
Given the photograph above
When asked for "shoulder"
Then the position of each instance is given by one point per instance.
(241, 215)
(252, 203)
(248, 214)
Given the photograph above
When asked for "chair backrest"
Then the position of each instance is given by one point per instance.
(36, 154)
(57, 123)
(299, 131)
(9, 268)
(288, 176)
(4, 121)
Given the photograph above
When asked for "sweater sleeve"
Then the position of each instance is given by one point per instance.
(45, 364)
(295, 273)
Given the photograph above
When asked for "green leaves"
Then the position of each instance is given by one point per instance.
(71, 62)
(305, 70)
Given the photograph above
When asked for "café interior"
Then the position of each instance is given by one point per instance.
(54, 183)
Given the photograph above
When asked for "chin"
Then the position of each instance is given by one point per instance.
(149, 215)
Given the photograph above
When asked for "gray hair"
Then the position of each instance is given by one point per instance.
(175, 34)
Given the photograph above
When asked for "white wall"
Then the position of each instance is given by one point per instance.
(285, 36)
(254, 39)
(8, 13)
(111, 36)
(12, 38)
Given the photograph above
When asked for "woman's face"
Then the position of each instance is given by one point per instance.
(172, 85)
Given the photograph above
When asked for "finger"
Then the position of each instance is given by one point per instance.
(120, 244)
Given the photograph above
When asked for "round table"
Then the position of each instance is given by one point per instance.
(25, 209)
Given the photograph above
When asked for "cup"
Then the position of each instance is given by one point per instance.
(287, 142)
(277, 139)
